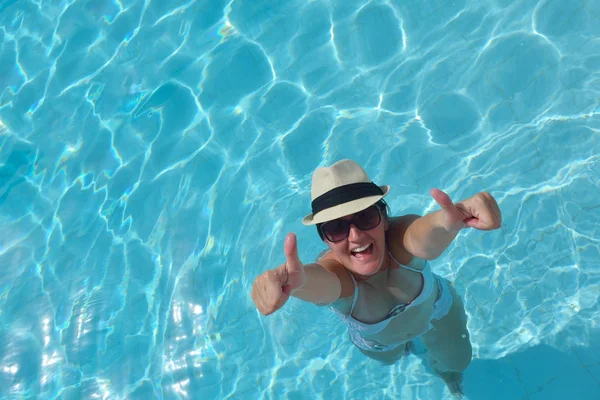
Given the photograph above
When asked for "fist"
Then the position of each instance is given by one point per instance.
(480, 211)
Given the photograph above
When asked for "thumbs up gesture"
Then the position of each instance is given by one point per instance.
(272, 289)
(480, 211)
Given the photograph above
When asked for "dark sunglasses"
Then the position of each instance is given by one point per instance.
(339, 229)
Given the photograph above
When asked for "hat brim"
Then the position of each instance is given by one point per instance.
(341, 210)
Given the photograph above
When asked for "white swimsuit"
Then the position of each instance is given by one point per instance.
(433, 302)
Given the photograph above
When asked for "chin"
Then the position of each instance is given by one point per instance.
(370, 268)
(368, 265)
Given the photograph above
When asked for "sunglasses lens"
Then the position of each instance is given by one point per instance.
(339, 229)
(336, 230)
(367, 219)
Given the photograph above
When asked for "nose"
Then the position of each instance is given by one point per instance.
(354, 232)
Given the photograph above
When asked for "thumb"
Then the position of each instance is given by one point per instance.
(290, 247)
(447, 205)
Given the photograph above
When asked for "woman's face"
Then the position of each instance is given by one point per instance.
(364, 250)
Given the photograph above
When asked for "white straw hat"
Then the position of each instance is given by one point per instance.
(342, 189)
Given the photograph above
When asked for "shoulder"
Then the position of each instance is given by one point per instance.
(395, 237)
(331, 264)
(399, 225)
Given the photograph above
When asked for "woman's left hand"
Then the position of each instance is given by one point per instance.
(480, 211)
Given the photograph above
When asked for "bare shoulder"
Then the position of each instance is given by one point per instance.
(401, 223)
(395, 237)
(331, 264)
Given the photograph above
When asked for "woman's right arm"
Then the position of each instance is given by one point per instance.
(317, 283)
(322, 286)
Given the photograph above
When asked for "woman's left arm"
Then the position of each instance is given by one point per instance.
(428, 237)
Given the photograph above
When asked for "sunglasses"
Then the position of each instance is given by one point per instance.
(339, 229)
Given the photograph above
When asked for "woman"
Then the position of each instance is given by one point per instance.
(374, 274)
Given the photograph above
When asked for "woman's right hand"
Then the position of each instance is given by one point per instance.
(272, 289)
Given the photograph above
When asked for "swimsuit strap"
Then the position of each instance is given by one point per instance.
(404, 266)
(356, 284)
(355, 293)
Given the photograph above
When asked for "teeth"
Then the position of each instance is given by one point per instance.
(359, 249)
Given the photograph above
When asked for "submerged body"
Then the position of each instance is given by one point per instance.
(380, 316)
(375, 275)
(401, 302)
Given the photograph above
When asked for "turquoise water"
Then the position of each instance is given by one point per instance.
(153, 155)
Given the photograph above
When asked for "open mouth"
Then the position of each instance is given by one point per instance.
(365, 250)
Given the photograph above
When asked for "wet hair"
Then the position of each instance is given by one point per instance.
(384, 208)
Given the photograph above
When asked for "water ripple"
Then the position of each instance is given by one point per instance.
(154, 154)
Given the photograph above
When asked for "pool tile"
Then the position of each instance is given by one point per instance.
(590, 355)
(595, 372)
(492, 380)
(577, 384)
(537, 365)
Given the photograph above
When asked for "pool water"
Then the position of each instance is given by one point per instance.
(154, 154)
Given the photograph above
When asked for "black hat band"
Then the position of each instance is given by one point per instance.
(344, 194)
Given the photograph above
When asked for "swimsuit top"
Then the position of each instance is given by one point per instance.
(417, 312)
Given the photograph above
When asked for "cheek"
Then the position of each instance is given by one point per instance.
(332, 247)
(379, 236)
(379, 229)
(340, 250)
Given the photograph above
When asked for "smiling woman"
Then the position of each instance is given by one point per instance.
(375, 274)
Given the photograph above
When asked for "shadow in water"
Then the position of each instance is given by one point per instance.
(538, 373)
